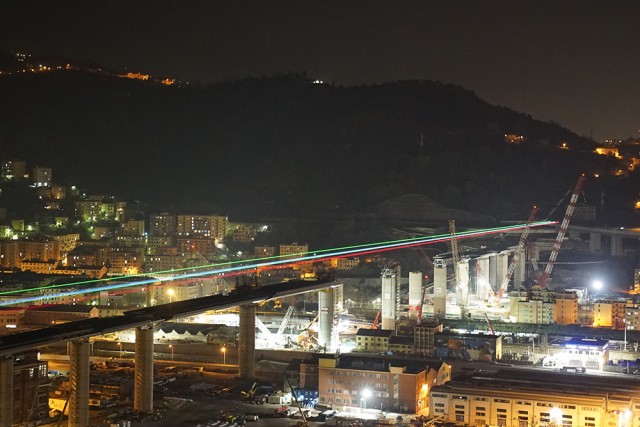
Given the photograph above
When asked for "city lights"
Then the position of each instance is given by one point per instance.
(240, 267)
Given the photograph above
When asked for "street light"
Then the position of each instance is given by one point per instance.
(171, 293)
(224, 355)
(366, 393)
(120, 348)
(171, 347)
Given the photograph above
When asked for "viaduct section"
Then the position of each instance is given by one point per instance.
(78, 334)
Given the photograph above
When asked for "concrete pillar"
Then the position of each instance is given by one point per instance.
(338, 298)
(482, 278)
(439, 288)
(388, 310)
(143, 377)
(6, 392)
(502, 267)
(415, 293)
(462, 288)
(79, 383)
(493, 271)
(247, 342)
(595, 242)
(616, 246)
(325, 319)
(520, 271)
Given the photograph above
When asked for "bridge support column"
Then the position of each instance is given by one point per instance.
(439, 288)
(143, 385)
(6, 392)
(493, 272)
(616, 246)
(502, 267)
(325, 319)
(595, 242)
(79, 382)
(482, 278)
(520, 271)
(247, 342)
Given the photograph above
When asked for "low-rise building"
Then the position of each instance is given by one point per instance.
(382, 383)
(10, 319)
(522, 398)
(373, 340)
(55, 313)
(401, 344)
(583, 353)
(453, 345)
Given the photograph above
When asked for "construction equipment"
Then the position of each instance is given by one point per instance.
(563, 229)
(516, 255)
(250, 396)
(303, 422)
(285, 321)
(376, 320)
(305, 338)
(489, 323)
(461, 294)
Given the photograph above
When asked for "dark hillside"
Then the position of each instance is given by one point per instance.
(284, 146)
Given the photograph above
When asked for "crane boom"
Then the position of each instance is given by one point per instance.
(563, 229)
(517, 254)
(285, 320)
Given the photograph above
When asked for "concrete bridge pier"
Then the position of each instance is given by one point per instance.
(439, 288)
(616, 246)
(79, 383)
(247, 342)
(6, 392)
(143, 379)
(493, 271)
(325, 319)
(595, 242)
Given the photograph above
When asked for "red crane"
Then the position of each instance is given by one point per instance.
(563, 229)
(375, 321)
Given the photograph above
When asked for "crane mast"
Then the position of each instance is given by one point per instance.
(563, 229)
(516, 254)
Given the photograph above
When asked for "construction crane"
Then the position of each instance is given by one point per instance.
(456, 255)
(489, 323)
(374, 325)
(304, 422)
(563, 229)
(285, 320)
(516, 255)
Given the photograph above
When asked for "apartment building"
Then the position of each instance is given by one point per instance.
(424, 337)
(566, 308)
(162, 224)
(293, 250)
(42, 176)
(214, 226)
(609, 314)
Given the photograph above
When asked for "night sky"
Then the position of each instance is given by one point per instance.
(574, 62)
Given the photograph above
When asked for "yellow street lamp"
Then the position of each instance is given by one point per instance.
(224, 355)
(171, 293)
(171, 347)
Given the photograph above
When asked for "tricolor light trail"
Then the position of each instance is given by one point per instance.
(237, 267)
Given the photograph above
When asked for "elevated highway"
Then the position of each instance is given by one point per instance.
(143, 319)
(19, 342)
